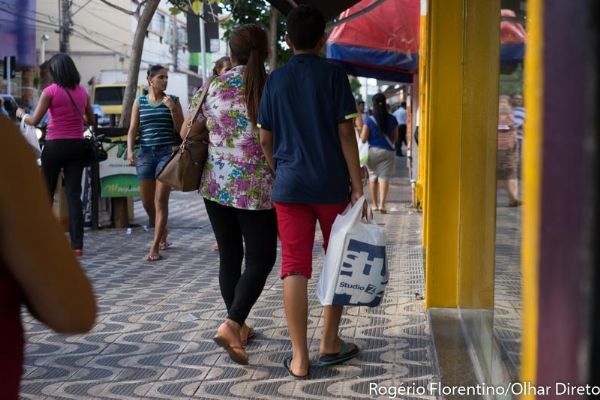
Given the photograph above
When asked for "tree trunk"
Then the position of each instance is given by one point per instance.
(136, 58)
(273, 39)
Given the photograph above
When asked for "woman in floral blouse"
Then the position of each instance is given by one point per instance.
(236, 186)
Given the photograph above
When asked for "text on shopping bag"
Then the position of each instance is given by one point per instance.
(363, 275)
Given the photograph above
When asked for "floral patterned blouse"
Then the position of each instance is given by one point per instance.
(236, 172)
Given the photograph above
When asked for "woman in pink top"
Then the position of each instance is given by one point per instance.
(66, 101)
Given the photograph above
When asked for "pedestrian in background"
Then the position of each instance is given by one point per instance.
(507, 156)
(66, 102)
(222, 65)
(37, 268)
(236, 186)
(362, 115)
(400, 115)
(381, 131)
(158, 117)
(519, 115)
(3, 111)
(307, 134)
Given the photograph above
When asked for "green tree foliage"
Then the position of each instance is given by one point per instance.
(257, 11)
(355, 86)
(244, 12)
(253, 11)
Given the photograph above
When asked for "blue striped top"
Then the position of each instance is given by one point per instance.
(156, 123)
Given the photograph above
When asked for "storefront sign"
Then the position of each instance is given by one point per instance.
(117, 177)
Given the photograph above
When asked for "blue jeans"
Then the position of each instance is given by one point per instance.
(150, 160)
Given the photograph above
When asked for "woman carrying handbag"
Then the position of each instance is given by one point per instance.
(236, 186)
(64, 148)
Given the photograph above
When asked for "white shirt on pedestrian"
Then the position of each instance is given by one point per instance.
(400, 115)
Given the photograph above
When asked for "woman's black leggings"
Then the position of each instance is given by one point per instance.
(256, 230)
(66, 154)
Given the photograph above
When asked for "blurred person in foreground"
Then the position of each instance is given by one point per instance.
(37, 268)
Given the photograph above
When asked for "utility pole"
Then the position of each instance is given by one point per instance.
(175, 43)
(273, 19)
(203, 48)
(65, 25)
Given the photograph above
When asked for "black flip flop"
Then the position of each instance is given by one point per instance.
(287, 363)
(344, 354)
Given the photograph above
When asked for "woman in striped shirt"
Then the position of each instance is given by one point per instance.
(157, 116)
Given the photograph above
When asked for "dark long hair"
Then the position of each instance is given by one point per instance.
(63, 71)
(153, 70)
(380, 112)
(249, 45)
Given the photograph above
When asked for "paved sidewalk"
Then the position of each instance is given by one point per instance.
(153, 338)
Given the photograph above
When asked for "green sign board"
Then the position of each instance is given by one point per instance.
(117, 177)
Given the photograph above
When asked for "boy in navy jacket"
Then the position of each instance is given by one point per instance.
(307, 134)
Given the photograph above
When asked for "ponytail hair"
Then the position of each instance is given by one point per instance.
(380, 112)
(249, 45)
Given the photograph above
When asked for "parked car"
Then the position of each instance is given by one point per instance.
(103, 120)
(10, 105)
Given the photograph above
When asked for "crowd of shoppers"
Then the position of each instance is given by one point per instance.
(270, 171)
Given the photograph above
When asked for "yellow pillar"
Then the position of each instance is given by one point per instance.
(442, 177)
(477, 236)
(423, 107)
(460, 129)
(534, 78)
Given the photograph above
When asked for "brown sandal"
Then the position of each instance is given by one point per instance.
(153, 257)
(236, 353)
(249, 336)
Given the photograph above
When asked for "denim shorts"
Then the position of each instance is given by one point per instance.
(150, 160)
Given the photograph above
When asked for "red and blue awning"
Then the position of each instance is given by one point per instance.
(383, 43)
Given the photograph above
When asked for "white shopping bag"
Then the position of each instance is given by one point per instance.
(355, 267)
(30, 135)
(363, 152)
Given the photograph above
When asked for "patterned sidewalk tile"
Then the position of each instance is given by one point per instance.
(153, 337)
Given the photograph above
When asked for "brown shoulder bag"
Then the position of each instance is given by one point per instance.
(184, 169)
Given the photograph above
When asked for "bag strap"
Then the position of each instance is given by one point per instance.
(387, 139)
(85, 124)
(76, 108)
(199, 109)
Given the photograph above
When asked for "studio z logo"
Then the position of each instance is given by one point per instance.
(363, 275)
